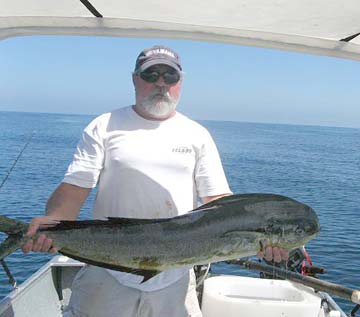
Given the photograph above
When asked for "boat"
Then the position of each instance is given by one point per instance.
(321, 27)
(46, 293)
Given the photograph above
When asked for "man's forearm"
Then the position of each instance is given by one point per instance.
(66, 201)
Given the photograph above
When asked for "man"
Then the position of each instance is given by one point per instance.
(148, 161)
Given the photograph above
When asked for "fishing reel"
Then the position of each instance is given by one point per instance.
(299, 261)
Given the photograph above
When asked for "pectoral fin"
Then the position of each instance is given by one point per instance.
(244, 235)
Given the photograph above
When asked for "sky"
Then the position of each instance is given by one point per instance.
(92, 75)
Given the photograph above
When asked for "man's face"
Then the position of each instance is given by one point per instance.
(157, 99)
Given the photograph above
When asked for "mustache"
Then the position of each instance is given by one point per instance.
(164, 95)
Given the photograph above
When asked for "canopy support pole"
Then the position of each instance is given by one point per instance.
(349, 38)
(91, 8)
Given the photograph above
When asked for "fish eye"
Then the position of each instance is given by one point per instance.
(274, 227)
(299, 230)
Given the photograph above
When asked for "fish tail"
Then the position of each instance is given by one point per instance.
(15, 230)
(11, 226)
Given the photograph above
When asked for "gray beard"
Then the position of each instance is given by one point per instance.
(159, 106)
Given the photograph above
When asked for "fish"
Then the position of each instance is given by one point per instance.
(228, 228)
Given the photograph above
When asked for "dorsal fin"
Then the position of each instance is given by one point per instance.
(236, 198)
(135, 221)
(110, 222)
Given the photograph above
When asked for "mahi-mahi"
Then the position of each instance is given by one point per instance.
(231, 227)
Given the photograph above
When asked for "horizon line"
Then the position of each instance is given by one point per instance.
(195, 119)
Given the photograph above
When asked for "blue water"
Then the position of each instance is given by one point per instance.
(319, 166)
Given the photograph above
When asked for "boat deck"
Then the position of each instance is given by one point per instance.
(48, 291)
(52, 287)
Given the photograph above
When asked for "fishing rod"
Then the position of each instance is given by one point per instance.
(16, 160)
(319, 285)
(11, 278)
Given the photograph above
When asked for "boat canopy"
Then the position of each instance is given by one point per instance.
(324, 27)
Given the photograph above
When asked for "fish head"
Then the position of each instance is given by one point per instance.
(277, 220)
(290, 227)
(247, 222)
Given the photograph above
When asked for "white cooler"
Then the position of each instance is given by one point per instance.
(237, 296)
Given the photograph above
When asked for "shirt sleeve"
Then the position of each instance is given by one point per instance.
(210, 178)
(88, 158)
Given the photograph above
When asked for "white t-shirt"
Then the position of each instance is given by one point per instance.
(146, 169)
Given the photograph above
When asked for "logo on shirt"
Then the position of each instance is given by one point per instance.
(182, 149)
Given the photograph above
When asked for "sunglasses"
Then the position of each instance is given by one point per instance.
(152, 76)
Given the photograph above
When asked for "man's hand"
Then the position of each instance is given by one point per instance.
(208, 199)
(42, 243)
(273, 253)
(64, 203)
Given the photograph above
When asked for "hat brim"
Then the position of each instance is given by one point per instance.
(158, 61)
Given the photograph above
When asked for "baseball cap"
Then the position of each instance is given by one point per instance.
(157, 55)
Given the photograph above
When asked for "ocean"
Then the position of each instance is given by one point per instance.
(319, 166)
